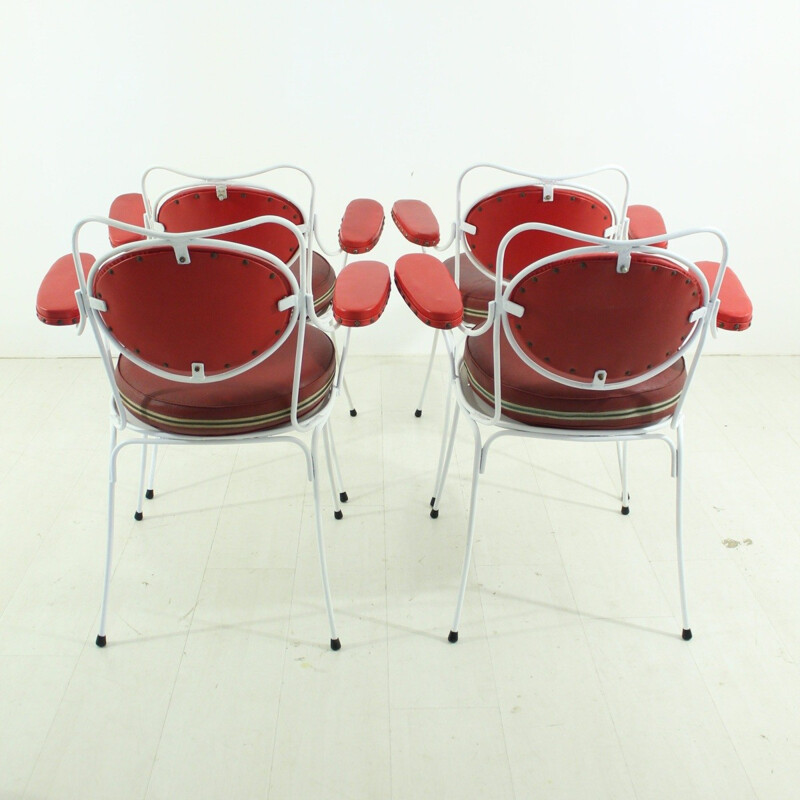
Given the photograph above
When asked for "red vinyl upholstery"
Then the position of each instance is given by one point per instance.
(429, 291)
(256, 400)
(581, 315)
(735, 307)
(416, 221)
(126, 208)
(220, 309)
(361, 226)
(199, 208)
(533, 399)
(477, 290)
(644, 222)
(361, 293)
(55, 300)
(495, 215)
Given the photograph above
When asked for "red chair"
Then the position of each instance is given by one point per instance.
(218, 342)
(567, 201)
(199, 203)
(598, 342)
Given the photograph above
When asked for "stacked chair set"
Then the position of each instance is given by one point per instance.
(564, 316)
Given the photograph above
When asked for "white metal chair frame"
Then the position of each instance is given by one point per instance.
(153, 204)
(301, 303)
(668, 430)
(459, 229)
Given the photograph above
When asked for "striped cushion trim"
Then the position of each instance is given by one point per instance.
(572, 416)
(483, 313)
(323, 300)
(271, 419)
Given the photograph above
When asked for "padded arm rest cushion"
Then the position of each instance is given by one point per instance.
(416, 221)
(361, 226)
(429, 290)
(361, 293)
(735, 307)
(55, 302)
(645, 222)
(126, 208)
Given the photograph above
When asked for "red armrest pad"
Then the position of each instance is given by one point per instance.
(735, 307)
(429, 290)
(55, 301)
(415, 220)
(361, 293)
(361, 227)
(645, 222)
(126, 208)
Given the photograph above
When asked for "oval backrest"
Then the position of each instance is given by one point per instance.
(495, 215)
(582, 316)
(200, 207)
(219, 310)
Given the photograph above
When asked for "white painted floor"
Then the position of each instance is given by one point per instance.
(570, 679)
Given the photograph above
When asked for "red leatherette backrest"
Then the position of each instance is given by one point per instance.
(220, 309)
(581, 315)
(199, 208)
(494, 216)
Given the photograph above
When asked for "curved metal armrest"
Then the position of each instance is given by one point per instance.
(429, 290)
(644, 222)
(361, 293)
(417, 222)
(128, 208)
(735, 307)
(55, 301)
(361, 226)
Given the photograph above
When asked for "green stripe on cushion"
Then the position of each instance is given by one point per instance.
(572, 416)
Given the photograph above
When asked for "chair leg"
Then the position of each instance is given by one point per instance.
(476, 471)
(100, 641)
(622, 457)
(687, 631)
(418, 412)
(138, 515)
(444, 466)
(335, 643)
(149, 494)
(329, 458)
(350, 405)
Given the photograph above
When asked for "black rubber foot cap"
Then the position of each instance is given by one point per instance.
(353, 412)
(343, 497)
(138, 516)
(687, 634)
(418, 412)
(433, 501)
(453, 637)
(338, 514)
(434, 513)
(100, 641)
(149, 494)
(626, 509)
(336, 644)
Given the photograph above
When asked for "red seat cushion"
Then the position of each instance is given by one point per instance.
(476, 289)
(531, 398)
(256, 400)
(323, 279)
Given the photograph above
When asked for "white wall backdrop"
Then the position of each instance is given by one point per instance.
(697, 100)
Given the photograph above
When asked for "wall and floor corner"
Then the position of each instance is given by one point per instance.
(393, 100)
